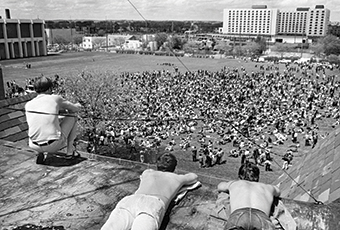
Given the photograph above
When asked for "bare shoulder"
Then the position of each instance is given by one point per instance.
(188, 178)
(148, 171)
(223, 186)
(272, 189)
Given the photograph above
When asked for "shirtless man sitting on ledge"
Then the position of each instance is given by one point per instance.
(250, 200)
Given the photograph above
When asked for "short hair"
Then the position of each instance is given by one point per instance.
(42, 84)
(167, 162)
(249, 171)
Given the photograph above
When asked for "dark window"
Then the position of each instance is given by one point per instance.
(1, 31)
(25, 30)
(12, 30)
(37, 30)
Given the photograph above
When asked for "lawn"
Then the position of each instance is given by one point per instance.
(71, 63)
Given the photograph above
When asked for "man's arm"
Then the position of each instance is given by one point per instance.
(224, 186)
(189, 178)
(71, 107)
(276, 192)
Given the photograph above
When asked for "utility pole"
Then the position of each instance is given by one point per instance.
(2, 86)
(107, 39)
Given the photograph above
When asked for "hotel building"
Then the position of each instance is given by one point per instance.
(288, 26)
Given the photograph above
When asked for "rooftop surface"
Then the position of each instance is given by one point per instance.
(79, 194)
(317, 173)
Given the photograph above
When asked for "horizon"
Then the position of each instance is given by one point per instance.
(147, 10)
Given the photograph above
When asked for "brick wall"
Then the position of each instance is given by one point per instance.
(13, 126)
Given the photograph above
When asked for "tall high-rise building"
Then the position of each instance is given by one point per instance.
(256, 21)
(261, 21)
(292, 22)
(317, 22)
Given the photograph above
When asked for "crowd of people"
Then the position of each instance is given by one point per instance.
(270, 106)
(201, 112)
(13, 89)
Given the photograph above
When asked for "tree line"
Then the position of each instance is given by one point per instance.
(130, 26)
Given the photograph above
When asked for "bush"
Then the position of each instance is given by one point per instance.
(272, 58)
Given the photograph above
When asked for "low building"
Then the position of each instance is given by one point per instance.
(132, 43)
(111, 40)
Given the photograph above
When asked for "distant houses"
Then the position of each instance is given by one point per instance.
(118, 41)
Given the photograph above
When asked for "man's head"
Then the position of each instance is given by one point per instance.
(166, 162)
(43, 84)
(249, 171)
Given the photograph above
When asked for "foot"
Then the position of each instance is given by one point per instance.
(41, 158)
(75, 154)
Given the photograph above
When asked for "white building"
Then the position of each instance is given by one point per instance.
(256, 21)
(90, 43)
(131, 44)
(111, 40)
(302, 23)
(317, 22)
(292, 22)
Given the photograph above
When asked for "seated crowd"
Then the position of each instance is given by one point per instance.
(206, 110)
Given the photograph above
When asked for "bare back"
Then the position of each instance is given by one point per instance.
(164, 185)
(250, 194)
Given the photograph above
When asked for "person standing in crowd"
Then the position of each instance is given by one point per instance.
(145, 209)
(194, 153)
(251, 202)
(47, 133)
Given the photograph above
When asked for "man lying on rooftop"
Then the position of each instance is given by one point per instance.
(145, 209)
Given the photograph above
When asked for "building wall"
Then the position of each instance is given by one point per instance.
(317, 22)
(292, 22)
(132, 44)
(250, 21)
(272, 22)
(64, 33)
(21, 38)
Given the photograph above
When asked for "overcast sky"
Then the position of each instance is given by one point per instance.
(206, 10)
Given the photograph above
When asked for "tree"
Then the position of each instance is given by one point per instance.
(330, 44)
(238, 51)
(253, 49)
(175, 42)
(190, 46)
(103, 99)
(282, 48)
(317, 48)
(161, 38)
(334, 59)
(77, 39)
(60, 40)
(101, 32)
(223, 47)
(262, 44)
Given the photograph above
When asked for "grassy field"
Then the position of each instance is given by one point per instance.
(71, 63)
